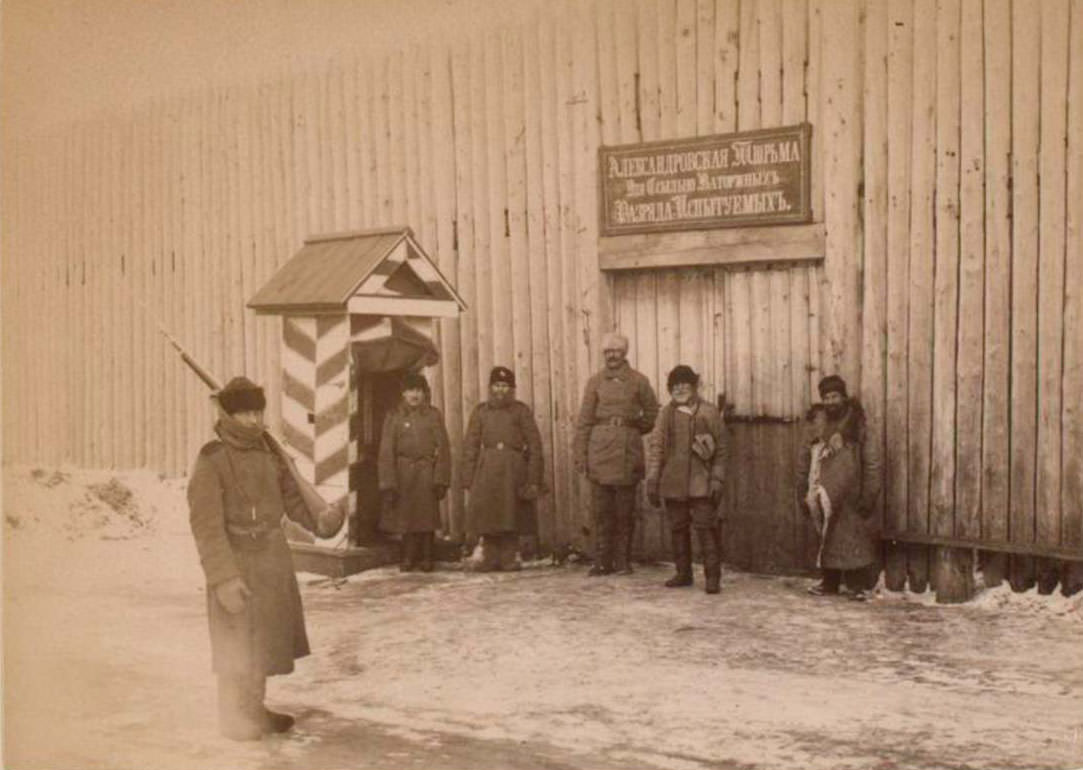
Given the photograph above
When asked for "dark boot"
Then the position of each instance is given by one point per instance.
(236, 719)
(425, 548)
(620, 546)
(712, 558)
(408, 558)
(603, 554)
(829, 585)
(269, 721)
(629, 538)
(682, 558)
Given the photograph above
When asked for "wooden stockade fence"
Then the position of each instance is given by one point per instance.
(947, 194)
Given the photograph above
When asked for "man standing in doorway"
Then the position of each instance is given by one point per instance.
(849, 483)
(619, 408)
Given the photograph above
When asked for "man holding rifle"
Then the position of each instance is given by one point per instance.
(239, 490)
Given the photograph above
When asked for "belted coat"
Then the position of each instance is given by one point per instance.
(619, 407)
(414, 459)
(237, 494)
(502, 456)
(850, 473)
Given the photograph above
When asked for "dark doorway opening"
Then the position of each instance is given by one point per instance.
(377, 394)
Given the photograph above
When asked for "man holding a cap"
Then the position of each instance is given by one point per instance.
(619, 407)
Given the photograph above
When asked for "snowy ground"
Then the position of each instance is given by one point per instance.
(106, 662)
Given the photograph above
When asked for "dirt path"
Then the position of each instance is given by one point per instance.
(106, 667)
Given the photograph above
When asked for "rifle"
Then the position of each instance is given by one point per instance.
(316, 505)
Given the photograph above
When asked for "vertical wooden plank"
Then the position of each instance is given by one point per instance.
(515, 129)
(668, 282)
(971, 274)
(740, 373)
(461, 105)
(874, 286)
(498, 268)
(946, 270)
(481, 105)
(538, 264)
(647, 31)
(841, 121)
(996, 383)
(1026, 87)
(597, 314)
(794, 55)
(561, 409)
(443, 148)
(1071, 496)
(726, 57)
(690, 337)
(1051, 263)
(570, 99)
(814, 115)
(920, 321)
(706, 47)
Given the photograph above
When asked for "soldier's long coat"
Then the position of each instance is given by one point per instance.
(619, 407)
(850, 474)
(415, 457)
(238, 487)
(502, 454)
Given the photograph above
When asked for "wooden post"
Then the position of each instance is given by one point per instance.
(954, 575)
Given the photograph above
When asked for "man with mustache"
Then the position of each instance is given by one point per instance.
(619, 407)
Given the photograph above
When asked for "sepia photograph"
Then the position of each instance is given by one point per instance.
(541, 384)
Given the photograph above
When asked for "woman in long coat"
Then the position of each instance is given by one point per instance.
(238, 491)
(503, 470)
(414, 468)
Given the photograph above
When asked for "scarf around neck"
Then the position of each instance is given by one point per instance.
(238, 435)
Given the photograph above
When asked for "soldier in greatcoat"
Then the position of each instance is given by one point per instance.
(686, 468)
(238, 492)
(619, 407)
(838, 482)
(414, 469)
(503, 470)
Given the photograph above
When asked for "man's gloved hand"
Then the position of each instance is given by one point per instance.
(330, 520)
(580, 467)
(439, 491)
(653, 496)
(716, 491)
(233, 595)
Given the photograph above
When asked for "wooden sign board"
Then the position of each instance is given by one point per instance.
(732, 180)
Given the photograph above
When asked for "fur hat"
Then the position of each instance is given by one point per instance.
(681, 373)
(615, 341)
(832, 383)
(241, 395)
(502, 374)
(414, 381)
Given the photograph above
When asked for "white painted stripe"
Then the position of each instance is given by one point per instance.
(399, 306)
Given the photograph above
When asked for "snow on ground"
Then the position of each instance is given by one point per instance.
(106, 661)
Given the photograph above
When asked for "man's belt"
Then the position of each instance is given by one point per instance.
(417, 458)
(502, 445)
(619, 422)
(253, 534)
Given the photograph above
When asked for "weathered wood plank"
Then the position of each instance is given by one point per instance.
(1072, 407)
(998, 246)
(1026, 87)
(946, 270)
(920, 329)
(874, 285)
(971, 276)
(1053, 140)
(842, 136)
